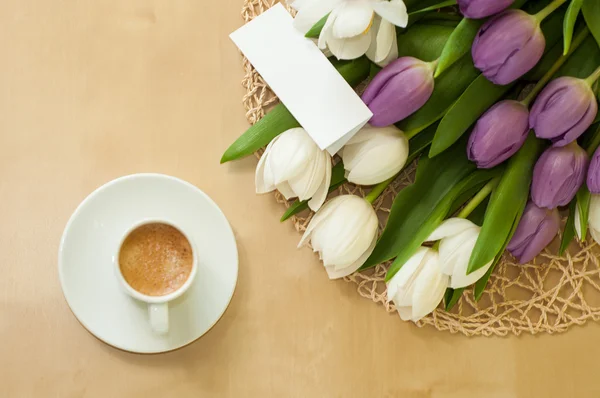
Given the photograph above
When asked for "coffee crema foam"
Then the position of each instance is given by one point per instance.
(156, 259)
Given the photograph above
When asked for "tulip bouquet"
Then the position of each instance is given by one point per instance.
(497, 103)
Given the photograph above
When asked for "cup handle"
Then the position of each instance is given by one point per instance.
(159, 317)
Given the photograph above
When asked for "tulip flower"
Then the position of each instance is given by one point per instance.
(593, 175)
(384, 42)
(535, 231)
(419, 286)
(457, 237)
(399, 90)
(558, 175)
(498, 134)
(354, 27)
(508, 46)
(344, 232)
(593, 218)
(563, 110)
(477, 9)
(375, 154)
(295, 166)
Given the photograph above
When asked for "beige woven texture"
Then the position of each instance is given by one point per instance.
(548, 295)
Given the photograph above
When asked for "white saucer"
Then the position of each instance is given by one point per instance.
(91, 238)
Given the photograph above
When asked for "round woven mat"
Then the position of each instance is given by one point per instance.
(548, 295)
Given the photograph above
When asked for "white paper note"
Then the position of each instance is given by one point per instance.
(303, 79)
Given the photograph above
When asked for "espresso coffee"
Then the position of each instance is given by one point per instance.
(156, 259)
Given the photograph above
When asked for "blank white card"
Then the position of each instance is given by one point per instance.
(303, 79)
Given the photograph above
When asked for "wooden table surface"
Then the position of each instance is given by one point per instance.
(93, 90)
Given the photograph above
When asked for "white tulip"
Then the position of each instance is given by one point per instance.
(355, 27)
(593, 218)
(344, 232)
(295, 166)
(457, 238)
(419, 286)
(375, 154)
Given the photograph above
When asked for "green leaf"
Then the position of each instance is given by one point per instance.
(458, 44)
(554, 47)
(477, 216)
(476, 99)
(420, 142)
(552, 27)
(416, 203)
(448, 294)
(435, 7)
(534, 6)
(415, 5)
(482, 283)
(451, 297)
(295, 208)
(583, 61)
(316, 29)
(337, 179)
(448, 87)
(424, 42)
(411, 4)
(504, 204)
(441, 22)
(442, 18)
(591, 14)
(417, 145)
(583, 200)
(520, 4)
(549, 58)
(279, 119)
(461, 40)
(569, 231)
(591, 139)
(464, 196)
(569, 23)
(419, 231)
(374, 70)
(467, 194)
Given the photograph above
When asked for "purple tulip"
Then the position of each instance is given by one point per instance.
(398, 90)
(558, 175)
(535, 231)
(476, 9)
(563, 110)
(593, 176)
(498, 134)
(508, 46)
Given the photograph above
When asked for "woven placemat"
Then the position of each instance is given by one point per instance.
(548, 295)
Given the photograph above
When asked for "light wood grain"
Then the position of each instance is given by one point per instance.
(92, 90)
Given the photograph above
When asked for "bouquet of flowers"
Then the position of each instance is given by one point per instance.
(496, 101)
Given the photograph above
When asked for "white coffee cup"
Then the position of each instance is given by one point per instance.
(158, 306)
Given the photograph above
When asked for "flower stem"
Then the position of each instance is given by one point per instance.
(594, 143)
(591, 79)
(410, 134)
(433, 65)
(581, 36)
(549, 9)
(378, 190)
(477, 199)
